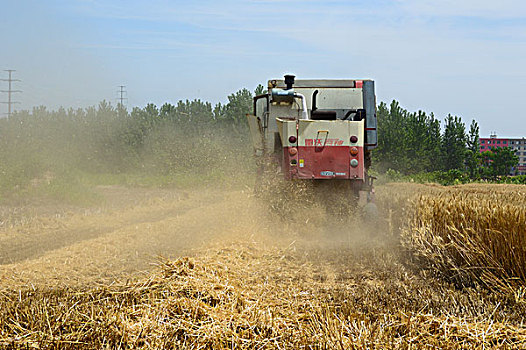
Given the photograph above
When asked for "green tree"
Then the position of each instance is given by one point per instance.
(503, 160)
(239, 104)
(422, 142)
(408, 142)
(453, 143)
(392, 151)
(260, 89)
(472, 152)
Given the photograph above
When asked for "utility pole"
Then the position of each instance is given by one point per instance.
(122, 92)
(10, 91)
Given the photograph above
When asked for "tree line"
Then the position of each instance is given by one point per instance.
(197, 136)
(63, 147)
(413, 143)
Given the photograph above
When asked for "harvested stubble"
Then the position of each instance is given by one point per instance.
(255, 296)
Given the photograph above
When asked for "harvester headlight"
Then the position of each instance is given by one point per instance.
(293, 139)
(293, 162)
(293, 151)
(354, 139)
(354, 163)
(354, 151)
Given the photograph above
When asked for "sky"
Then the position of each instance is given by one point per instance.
(464, 57)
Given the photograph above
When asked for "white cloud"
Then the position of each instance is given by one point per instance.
(489, 9)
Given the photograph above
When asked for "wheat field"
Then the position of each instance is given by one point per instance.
(473, 234)
(444, 271)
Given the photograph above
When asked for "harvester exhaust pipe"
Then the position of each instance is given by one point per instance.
(304, 113)
(289, 81)
(288, 95)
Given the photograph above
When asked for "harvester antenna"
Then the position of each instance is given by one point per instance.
(10, 91)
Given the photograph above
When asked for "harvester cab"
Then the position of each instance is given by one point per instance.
(317, 130)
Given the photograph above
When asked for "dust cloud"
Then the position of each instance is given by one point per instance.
(96, 195)
(66, 225)
(123, 238)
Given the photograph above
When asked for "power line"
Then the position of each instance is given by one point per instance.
(121, 97)
(10, 91)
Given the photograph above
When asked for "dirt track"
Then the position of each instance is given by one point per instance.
(120, 239)
(56, 245)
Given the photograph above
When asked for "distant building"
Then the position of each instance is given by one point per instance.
(518, 145)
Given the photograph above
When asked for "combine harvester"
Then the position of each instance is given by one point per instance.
(321, 131)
